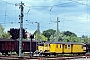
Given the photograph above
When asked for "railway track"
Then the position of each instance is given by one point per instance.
(14, 57)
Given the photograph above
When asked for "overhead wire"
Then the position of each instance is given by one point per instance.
(15, 14)
(48, 6)
(45, 6)
(6, 11)
(87, 14)
(7, 2)
(86, 10)
(85, 5)
(81, 3)
(61, 4)
(7, 15)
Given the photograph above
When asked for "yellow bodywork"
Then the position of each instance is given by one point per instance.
(57, 48)
(40, 48)
(52, 47)
(62, 48)
(44, 47)
(78, 48)
(67, 48)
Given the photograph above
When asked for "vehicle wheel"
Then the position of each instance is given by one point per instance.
(17, 52)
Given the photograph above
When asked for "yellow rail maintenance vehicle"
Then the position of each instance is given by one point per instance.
(53, 48)
(44, 48)
(69, 47)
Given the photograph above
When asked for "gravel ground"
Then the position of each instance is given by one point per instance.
(81, 59)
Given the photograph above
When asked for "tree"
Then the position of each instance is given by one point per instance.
(86, 39)
(15, 33)
(48, 33)
(83, 36)
(42, 37)
(68, 33)
(1, 29)
(65, 37)
(72, 38)
(35, 32)
(54, 37)
(4, 34)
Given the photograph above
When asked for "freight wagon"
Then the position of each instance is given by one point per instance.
(9, 45)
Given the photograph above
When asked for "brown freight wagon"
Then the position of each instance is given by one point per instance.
(9, 45)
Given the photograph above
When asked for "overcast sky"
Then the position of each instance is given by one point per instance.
(74, 15)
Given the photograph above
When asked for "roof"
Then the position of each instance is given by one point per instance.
(68, 43)
(29, 40)
(48, 42)
(58, 42)
(16, 40)
(7, 39)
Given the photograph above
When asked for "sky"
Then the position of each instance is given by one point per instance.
(74, 15)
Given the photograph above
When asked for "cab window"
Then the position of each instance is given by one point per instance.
(46, 45)
(65, 46)
(40, 44)
(83, 46)
(60, 46)
(68, 46)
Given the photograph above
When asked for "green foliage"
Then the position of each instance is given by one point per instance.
(68, 33)
(54, 37)
(85, 39)
(88, 40)
(1, 30)
(42, 37)
(4, 34)
(48, 33)
(35, 32)
(66, 37)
